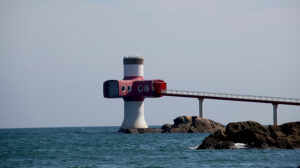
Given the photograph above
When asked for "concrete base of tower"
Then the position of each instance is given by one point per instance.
(134, 115)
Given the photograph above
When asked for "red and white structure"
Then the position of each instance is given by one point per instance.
(133, 89)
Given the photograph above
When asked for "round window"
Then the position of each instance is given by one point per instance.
(123, 88)
(140, 88)
(146, 88)
(129, 88)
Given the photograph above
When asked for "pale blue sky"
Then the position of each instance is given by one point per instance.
(55, 55)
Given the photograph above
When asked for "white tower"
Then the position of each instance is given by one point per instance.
(133, 107)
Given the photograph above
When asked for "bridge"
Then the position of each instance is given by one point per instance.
(275, 101)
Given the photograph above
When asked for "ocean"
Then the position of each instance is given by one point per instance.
(104, 147)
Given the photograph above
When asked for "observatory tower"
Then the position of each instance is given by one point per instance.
(133, 106)
(133, 89)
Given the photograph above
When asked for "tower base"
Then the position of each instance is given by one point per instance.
(134, 115)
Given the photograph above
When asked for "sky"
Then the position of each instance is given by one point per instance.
(55, 56)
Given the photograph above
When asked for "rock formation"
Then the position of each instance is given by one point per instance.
(182, 124)
(255, 135)
(140, 130)
(191, 124)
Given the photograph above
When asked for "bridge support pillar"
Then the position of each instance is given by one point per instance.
(201, 107)
(275, 113)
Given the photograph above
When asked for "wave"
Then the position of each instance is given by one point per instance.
(193, 147)
(239, 146)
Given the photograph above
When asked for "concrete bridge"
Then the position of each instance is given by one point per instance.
(275, 101)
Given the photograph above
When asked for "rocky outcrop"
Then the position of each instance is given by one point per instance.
(140, 130)
(182, 124)
(254, 135)
(192, 124)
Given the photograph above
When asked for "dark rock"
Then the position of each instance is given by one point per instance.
(205, 125)
(250, 131)
(213, 141)
(253, 134)
(140, 130)
(182, 120)
(166, 126)
(286, 135)
(192, 124)
(182, 124)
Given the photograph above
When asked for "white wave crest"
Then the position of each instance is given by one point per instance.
(193, 147)
(240, 146)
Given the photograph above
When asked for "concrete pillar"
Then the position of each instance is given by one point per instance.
(201, 107)
(275, 113)
(134, 115)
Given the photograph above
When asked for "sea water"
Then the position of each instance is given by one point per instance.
(105, 147)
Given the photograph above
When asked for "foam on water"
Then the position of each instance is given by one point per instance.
(240, 146)
(193, 147)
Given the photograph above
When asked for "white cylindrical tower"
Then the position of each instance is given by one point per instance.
(133, 67)
(134, 107)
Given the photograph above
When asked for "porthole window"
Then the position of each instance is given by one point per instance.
(123, 88)
(129, 88)
(146, 88)
(140, 88)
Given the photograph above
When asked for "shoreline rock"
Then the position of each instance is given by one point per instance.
(255, 135)
(182, 124)
(192, 124)
(140, 130)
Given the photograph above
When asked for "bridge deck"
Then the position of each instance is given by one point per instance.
(232, 97)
